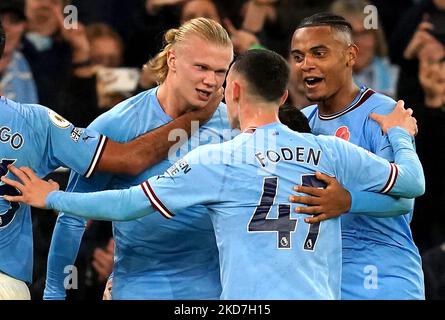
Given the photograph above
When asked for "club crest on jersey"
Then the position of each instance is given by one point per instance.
(58, 120)
(343, 133)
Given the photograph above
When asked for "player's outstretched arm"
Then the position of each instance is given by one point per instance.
(116, 205)
(145, 151)
(408, 180)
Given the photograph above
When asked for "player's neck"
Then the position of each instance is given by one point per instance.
(258, 115)
(339, 100)
(170, 103)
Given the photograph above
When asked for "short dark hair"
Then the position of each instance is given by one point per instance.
(266, 72)
(293, 118)
(326, 19)
(2, 40)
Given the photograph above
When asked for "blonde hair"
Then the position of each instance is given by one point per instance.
(207, 29)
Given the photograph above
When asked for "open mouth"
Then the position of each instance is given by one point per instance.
(203, 94)
(312, 81)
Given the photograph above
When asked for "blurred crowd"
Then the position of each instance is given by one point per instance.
(70, 66)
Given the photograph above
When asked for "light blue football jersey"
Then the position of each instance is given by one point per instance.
(36, 137)
(154, 258)
(266, 250)
(380, 258)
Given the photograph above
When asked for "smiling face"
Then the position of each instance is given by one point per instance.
(323, 60)
(198, 69)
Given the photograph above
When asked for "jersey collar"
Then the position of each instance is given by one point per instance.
(362, 96)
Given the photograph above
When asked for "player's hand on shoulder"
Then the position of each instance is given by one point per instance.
(399, 117)
(324, 204)
(33, 189)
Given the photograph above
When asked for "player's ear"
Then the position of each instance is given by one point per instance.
(236, 94)
(171, 60)
(352, 54)
(284, 97)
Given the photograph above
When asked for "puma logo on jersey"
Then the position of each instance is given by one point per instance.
(87, 137)
(15, 140)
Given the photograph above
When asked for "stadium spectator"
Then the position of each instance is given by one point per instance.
(199, 8)
(84, 96)
(372, 67)
(419, 36)
(47, 53)
(16, 80)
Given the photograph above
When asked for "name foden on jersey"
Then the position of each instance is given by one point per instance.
(297, 154)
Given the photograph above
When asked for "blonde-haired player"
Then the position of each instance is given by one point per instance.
(156, 259)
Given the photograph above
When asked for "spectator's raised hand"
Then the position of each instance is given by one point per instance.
(421, 37)
(76, 37)
(242, 40)
(257, 13)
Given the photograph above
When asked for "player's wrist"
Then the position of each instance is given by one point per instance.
(51, 198)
